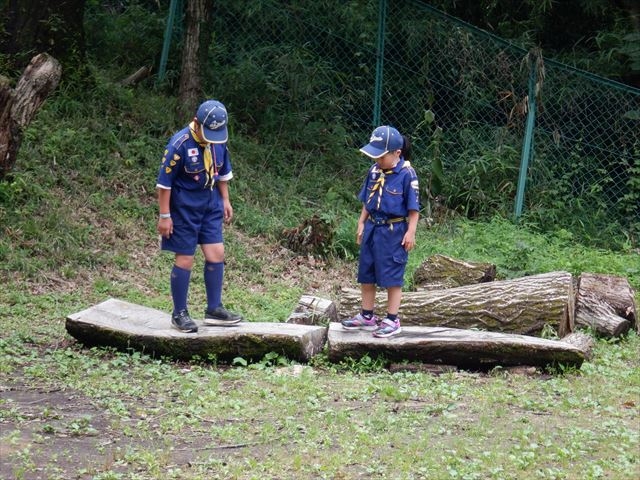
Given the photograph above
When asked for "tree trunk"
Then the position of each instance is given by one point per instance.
(55, 27)
(606, 304)
(125, 325)
(440, 271)
(582, 341)
(523, 305)
(18, 106)
(314, 311)
(190, 90)
(452, 346)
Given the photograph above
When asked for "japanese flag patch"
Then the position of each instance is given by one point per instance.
(192, 152)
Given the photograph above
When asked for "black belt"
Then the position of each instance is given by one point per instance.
(387, 221)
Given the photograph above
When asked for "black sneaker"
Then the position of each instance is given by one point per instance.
(182, 321)
(221, 316)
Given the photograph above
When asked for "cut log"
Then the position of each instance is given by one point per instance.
(581, 340)
(440, 271)
(605, 304)
(523, 306)
(313, 310)
(468, 349)
(126, 326)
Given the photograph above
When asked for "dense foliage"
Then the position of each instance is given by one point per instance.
(298, 82)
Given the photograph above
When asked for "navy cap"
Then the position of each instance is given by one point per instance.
(383, 139)
(212, 116)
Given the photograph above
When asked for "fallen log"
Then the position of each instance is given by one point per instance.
(605, 304)
(312, 310)
(137, 76)
(128, 326)
(440, 271)
(582, 341)
(467, 349)
(523, 306)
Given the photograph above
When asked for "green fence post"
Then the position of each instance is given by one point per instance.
(162, 69)
(377, 99)
(528, 137)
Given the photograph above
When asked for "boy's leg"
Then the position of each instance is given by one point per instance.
(365, 320)
(180, 278)
(394, 297)
(215, 313)
(390, 325)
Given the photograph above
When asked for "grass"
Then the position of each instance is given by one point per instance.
(79, 227)
(71, 412)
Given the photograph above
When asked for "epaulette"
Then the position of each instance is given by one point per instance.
(180, 140)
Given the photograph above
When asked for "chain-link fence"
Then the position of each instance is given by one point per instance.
(496, 128)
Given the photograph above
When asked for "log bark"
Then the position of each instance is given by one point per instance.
(524, 305)
(137, 76)
(19, 105)
(127, 326)
(440, 271)
(605, 304)
(313, 310)
(190, 89)
(467, 349)
(582, 341)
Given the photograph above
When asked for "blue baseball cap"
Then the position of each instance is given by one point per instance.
(212, 117)
(383, 139)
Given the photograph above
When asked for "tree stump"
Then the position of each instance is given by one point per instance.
(440, 271)
(523, 305)
(18, 106)
(606, 304)
(314, 311)
(581, 340)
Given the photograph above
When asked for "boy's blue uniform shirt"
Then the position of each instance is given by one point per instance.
(382, 257)
(400, 192)
(196, 209)
(183, 163)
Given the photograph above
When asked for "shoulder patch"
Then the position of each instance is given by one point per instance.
(180, 140)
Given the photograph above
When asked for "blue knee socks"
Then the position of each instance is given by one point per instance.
(179, 288)
(213, 275)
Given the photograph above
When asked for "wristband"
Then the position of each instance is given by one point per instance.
(165, 215)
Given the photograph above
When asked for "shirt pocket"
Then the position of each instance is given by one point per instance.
(194, 164)
(394, 199)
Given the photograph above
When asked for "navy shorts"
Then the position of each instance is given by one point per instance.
(383, 259)
(196, 221)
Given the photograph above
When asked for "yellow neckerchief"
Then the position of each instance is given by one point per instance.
(209, 161)
(378, 186)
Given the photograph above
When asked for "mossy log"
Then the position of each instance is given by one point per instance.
(440, 271)
(469, 349)
(520, 306)
(312, 310)
(606, 304)
(127, 326)
(583, 341)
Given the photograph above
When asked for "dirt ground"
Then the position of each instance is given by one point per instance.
(69, 436)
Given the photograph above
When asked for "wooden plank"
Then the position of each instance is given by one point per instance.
(125, 326)
(450, 346)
